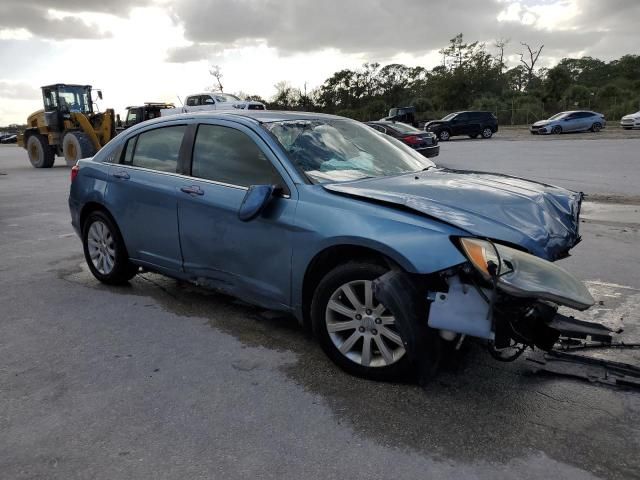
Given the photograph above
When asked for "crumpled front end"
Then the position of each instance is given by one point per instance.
(540, 218)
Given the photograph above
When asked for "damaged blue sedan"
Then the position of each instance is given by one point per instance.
(384, 255)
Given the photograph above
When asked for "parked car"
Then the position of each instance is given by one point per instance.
(573, 121)
(322, 217)
(10, 138)
(425, 143)
(630, 121)
(473, 124)
(208, 101)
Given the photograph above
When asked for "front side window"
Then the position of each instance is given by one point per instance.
(156, 149)
(193, 101)
(50, 100)
(74, 99)
(341, 150)
(227, 155)
(132, 117)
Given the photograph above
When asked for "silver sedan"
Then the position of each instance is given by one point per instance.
(574, 121)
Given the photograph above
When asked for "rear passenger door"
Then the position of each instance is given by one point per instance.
(459, 124)
(250, 260)
(142, 196)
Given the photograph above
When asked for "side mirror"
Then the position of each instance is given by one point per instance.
(100, 94)
(255, 200)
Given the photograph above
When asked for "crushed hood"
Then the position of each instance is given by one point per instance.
(540, 218)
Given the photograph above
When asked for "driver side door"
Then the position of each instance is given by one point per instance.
(250, 260)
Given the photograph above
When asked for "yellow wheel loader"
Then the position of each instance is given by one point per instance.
(67, 126)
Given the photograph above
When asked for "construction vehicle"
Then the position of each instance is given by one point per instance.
(68, 126)
(137, 114)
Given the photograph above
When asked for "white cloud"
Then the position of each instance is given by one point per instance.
(153, 50)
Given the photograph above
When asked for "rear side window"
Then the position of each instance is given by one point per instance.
(156, 149)
(227, 155)
(207, 100)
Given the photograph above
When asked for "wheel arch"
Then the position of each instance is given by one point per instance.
(330, 257)
(94, 206)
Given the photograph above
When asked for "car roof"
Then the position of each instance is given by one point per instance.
(266, 116)
(256, 116)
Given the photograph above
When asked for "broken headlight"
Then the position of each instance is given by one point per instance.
(523, 275)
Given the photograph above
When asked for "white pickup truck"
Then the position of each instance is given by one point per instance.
(212, 101)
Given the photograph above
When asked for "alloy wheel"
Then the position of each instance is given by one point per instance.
(102, 249)
(361, 328)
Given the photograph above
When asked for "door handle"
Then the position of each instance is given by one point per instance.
(192, 190)
(121, 174)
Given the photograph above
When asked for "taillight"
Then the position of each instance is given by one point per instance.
(412, 139)
(74, 172)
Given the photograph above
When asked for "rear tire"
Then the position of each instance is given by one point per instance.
(487, 133)
(596, 127)
(444, 135)
(77, 145)
(104, 250)
(39, 151)
(377, 327)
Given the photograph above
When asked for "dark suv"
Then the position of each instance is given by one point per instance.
(464, 123)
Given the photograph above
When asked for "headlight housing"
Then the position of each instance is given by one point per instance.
(523, 275)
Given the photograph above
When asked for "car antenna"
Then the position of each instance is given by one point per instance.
(180, 100)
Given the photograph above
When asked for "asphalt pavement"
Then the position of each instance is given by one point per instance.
(605, 169)
(163, 380)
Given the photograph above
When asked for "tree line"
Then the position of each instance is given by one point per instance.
(474, 76)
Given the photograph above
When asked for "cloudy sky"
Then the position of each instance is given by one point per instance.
(153, 50)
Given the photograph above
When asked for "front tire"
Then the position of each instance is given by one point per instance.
(356, 331)
(104, 250)
(557, 130)
(444, 135)
(77, 145)
(39, 151)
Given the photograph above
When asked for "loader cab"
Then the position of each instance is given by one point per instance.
(67, 98)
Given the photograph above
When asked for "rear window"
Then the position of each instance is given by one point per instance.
(404, 128)
(156, 149)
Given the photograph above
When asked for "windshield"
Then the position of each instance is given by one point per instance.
(450, 116)
(225, 97)
(340, 150)
(558, 115)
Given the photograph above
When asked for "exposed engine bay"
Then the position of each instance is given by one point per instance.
(506, 297)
